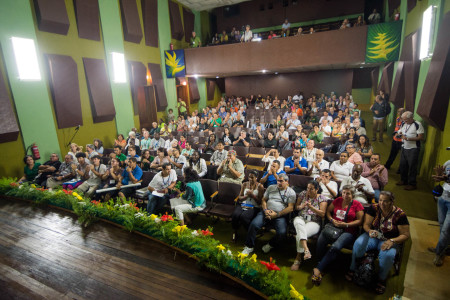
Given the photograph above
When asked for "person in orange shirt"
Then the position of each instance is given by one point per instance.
(396, 141)
(297, 110)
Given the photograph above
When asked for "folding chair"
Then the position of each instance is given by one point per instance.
(147, 177)
(256, 150)
(330, 157)
(255, 163)
(107, 152)
(287, 153)
(330, 140)
(241, 151)
(299, 182)
(225, 199)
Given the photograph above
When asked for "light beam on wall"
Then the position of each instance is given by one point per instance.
(119, 67)
(26, 59)
(428, 26)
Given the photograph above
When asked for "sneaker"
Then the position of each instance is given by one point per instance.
(247, 250)
(438, 260)
(266, 248)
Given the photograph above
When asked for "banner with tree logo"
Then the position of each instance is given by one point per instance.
(383, 42)
(175, 66)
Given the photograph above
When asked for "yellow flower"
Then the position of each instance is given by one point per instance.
(179, 229)
(75, 194)
(253, 258)
(79, 197)
(153, 217)
(220, 247)
(241, 256)
(33, 186)
(294, 294)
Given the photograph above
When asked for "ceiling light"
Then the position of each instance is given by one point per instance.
(217, 76)
(195, 75)
(264, 71)
(26, 59)
(276, 73)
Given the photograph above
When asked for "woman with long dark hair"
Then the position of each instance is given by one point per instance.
(193, 200)
(30, 170)
(196, 163)
(364, 148)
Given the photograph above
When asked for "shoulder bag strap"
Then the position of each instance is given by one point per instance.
(348, 209)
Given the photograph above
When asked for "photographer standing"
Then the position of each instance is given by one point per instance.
(381, 108)
(411, 134)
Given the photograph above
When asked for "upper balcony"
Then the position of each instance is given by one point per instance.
(337, 49)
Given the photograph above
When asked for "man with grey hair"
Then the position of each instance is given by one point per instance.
(64, 173)
(277, 203)
(411, 133)
(90, 152)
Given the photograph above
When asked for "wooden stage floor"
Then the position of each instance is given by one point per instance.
(46, 254)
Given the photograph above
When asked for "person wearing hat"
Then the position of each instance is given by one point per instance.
(231, 169)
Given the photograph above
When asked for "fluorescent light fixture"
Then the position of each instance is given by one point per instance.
(118, 60)
(264, 71)
(26, 59)
(276, 73)
(426, 40)
(195, 75)
(217, 76)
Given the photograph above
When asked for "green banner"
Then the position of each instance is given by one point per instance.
(383, 42)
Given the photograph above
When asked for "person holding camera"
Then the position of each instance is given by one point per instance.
(386, 227)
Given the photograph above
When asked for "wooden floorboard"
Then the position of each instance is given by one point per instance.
(46, 254)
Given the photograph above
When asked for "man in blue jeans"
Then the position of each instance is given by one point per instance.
(160, 187)
(277, 203)
(443, 174)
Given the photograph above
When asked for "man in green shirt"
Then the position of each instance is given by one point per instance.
(181, 105)
(216, 121)
(195, 41)
(119, 155)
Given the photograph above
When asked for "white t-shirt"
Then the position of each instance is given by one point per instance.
(322, 165)
(325, 192)
(159, 182)
(411, 131)
(341, 171)
(326, 129)
(271, 158)
(360, 196)
(94, 179)
(446, 186)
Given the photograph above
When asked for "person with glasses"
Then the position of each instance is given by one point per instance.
(386, 227)
(278, 201)
(354, 157)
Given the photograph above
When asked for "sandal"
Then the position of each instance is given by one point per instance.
(296, 265)
(307, 255)
(380, 288)
(316, 279)
(349, 276)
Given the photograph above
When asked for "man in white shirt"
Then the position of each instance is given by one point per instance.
(411, 134)
(160, 187)
(326, 117)
(177, 160)
(157, 142)
(329, 187)
(293, 122)
(271, 155)
(363, 188)
(325, 128)
(169, 141)
(316, 166)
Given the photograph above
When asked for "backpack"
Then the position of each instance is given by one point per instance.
(365, 271)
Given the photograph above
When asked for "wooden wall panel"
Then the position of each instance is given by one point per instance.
(87, 15)
(9, 129)
(435, 96)
(221, 84)
(397, 96)
(338, 81)
(188, 19)
(150, 18)
(194, 95)
(374, 76)
(65, 89)
(99, 87)
(411, 68)
(158, 83)
(51, 16)
(138, 80)
(176, 27)
(210, 88)
(131, 23)
(386, 78)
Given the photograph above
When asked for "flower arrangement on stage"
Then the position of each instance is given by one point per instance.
(265, 277)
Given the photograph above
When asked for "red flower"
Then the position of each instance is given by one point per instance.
(133, 205)
(98, 203)
(270, 265)
(13, 184)
(207, 232)
(166, 218)
(67, 192)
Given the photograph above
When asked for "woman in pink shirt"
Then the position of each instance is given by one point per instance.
(355, 158)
